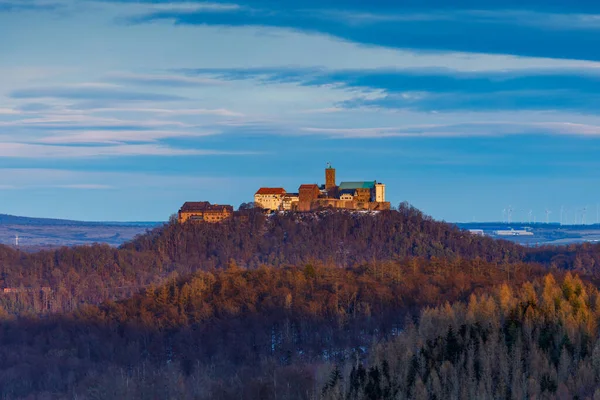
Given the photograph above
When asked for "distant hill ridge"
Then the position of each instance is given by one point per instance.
(6, 219)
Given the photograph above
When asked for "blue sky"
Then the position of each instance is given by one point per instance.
(123, 110)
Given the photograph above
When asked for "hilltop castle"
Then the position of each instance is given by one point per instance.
(362, 195)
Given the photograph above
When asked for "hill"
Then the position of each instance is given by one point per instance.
(266, 333)
(91, 274)
(340, 238)
(6, 219)
(265, 308)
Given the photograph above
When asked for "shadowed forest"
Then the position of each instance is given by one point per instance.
(325, 305)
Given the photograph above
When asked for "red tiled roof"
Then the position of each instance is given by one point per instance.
(191, 206)
(265, 190)
(308, 186)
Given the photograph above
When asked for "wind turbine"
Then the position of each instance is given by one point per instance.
(530, 216)
(510, 210)
(583, 213)
(521, 214)
(562, 209)
(503, 215)
(548, 212)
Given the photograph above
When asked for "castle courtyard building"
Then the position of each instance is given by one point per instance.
(203, 211)
(364, 191)
(269, 198)
(290, 201)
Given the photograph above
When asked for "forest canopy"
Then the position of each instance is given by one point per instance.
(301, 306)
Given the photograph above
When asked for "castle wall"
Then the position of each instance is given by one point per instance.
(204, 216)
(347, 205)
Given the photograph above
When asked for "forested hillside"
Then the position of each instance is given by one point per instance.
(333, 237)
(583, 258)
(326, 305)
(539, 341)
(92, 274)
(266, 333)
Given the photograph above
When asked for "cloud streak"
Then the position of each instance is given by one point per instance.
(565, 31)
(219, 112)
(29, 151)
(439, 90)
(93, 93)
(85, 186)
(173, 81)
(474, 129)
(30, 5)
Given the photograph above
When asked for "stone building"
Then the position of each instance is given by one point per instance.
(203, 211)
(364, 191)
(307, 193)
(290, 201)
(269, 198)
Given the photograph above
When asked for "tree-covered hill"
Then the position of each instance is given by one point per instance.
(91, 274)
(264, 333)
(264, 307)
(334, 237)
(539, 341)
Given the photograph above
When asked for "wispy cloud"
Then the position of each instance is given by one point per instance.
(472, 129)
(25, 150)
(117, 137)
(34, 107)
(357, 132)
(85, 186)
(504, 17)
(30, 5)
(161, 80)
(220, 112)
(492, 101)
(508, 28)
(110, 125)
(440, 90)
(327, 110)
(89, 92)
(186, 6)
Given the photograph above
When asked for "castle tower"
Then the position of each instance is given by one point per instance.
(329, 177)
(379, 192)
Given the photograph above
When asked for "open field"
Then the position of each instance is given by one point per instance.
(37, 233)
(543, 234)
